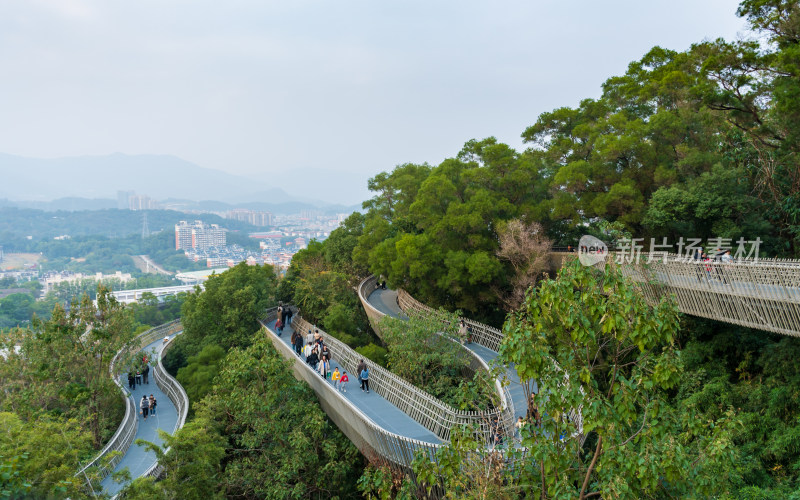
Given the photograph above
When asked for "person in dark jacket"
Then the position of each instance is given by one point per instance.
(313, 360)
(145, 374)
(145, 406)
(284, 314)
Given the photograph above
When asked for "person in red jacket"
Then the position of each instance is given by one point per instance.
(341, 384)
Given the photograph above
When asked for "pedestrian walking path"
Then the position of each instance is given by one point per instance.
(137, 459)
(383, 413)
(515, 388)
(386, 302)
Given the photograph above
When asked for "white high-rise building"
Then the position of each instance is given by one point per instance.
(198, 235)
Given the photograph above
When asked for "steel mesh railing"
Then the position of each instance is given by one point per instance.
(176, 393)
(373, 440)
(482, 334)
(432, 413)
(124, 436)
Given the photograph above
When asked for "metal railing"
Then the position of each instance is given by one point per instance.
(176, 393)
(763, 294)
(482, 334)
(429, 411)
(371, 439)
(122, 439)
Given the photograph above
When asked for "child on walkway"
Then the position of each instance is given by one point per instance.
(342, 383)
(335, 376)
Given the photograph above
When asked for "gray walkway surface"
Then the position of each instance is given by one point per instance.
(386, 302)
(382, 412)
(137, 460)
(711, 282)
(515, 388)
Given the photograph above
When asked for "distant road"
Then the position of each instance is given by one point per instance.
(148, 266)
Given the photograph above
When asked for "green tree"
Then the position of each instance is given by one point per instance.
(226, 313)
(192, 461)
(426, 351)
(279, 443)
(62, 365)
(198, 374)
(41, 456)
(595, 346)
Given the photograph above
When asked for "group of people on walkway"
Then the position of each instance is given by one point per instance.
(317, 354)
(147, 406)
(707, 266)
(140, 375)
(284, 318)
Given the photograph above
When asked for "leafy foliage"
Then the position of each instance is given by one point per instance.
(226, 313)
(198, 374)
(259, 433)
(425, 350)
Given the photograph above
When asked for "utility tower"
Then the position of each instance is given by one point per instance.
(145, 228)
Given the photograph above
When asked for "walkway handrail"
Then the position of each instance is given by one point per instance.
(440, 422)
(176, 393)
(763, 294)
(482, 334)
(368, 436)
(485, 335)
(429, 411)
(123, 438)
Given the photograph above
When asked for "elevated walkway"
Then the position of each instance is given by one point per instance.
(173, 405)
(138, 460)
(483, 336)
(379, 410)
(763, 294)
(391, 423)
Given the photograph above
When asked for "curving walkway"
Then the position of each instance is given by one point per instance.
(136, 459)
(763, 294)
(383, 413)
(386, 301)
(515, 387)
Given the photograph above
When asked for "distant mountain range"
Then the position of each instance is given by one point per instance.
(92, 182)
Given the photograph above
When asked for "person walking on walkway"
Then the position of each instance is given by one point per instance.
(343, 380)
(335, 376)
(365, 379)
(139, 377)
(323, 366)
(359, 368)
(131, 381)
(284, 314)
(145, 406)
(298, 344)
(313, 359)
(152, 405)
(145, 374)
(289, 315)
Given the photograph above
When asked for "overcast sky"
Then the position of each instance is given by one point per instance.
(328, 92)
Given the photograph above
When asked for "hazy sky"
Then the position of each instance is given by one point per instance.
(328, 92)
